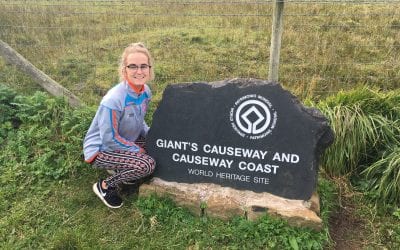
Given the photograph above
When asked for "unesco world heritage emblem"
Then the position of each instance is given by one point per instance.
(253, 117)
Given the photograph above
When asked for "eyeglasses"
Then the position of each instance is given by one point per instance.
(135, 67)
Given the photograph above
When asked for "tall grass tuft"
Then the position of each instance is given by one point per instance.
(367, 127)
(384, 176)
(353, 132)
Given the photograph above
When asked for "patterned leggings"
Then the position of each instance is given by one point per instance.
(128, 166)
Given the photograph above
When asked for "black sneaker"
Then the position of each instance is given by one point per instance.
(108, 196)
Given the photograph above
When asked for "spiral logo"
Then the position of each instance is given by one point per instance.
(253, 117)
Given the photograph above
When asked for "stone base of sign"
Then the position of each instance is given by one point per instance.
(225, 202)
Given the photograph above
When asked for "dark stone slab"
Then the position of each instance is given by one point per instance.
(246, 134)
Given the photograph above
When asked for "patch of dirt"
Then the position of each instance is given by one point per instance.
(346, 229)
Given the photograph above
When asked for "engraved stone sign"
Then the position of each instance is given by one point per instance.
(246, 134)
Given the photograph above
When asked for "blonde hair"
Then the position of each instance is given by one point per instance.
(135, 48)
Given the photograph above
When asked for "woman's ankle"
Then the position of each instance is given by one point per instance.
(104, 185)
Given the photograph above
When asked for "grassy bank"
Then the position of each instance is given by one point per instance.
(67, 215)
(47, 202)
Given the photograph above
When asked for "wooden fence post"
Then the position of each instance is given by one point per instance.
(54, 88)
(276, 35)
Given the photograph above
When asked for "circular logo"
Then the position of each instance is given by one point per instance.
(253, 117)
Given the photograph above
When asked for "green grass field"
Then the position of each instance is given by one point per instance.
(46, 200)
(325, 47)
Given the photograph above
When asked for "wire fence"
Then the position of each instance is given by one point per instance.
(326, 45)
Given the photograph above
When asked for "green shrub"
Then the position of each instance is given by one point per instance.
(48, 141)
(8, 110)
